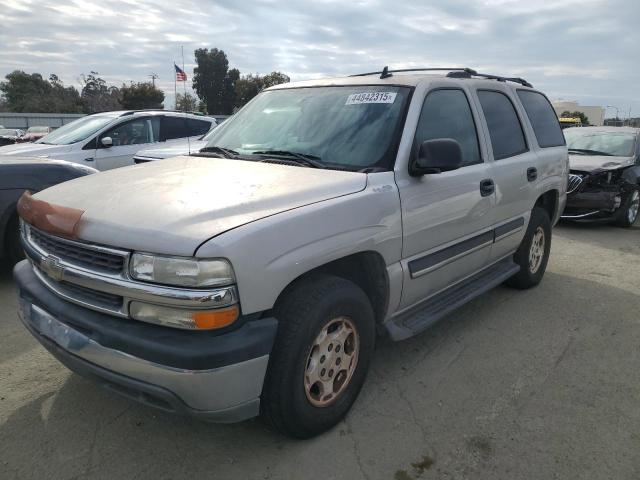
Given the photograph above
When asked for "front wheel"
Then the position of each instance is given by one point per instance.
(326, 335)
(14, 252)
(629, 210)
(533, 254)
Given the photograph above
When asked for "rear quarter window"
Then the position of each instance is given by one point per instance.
(543, 118)
(505, 130)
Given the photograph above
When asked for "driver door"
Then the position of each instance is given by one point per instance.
(127, 139)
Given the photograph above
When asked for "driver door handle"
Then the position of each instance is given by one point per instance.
(487, 187)
(532, 174)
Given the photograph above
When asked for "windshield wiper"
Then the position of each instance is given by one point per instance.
(302, 158)
(585, 151)
(224, 152)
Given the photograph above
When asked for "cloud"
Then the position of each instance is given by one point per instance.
(588, 47)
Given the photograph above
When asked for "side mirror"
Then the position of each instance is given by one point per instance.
(106, 142)
(437, 156)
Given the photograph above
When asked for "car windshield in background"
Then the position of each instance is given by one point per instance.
(77, 130)
(618, 144)
(38, 130)
(345, 127)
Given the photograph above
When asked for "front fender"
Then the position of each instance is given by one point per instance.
(269, 254)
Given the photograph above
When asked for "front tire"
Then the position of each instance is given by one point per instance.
(533, 254)
(13, 248)
(326, 336)
(629, 211)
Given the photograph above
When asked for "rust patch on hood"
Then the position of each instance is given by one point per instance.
(50, 218)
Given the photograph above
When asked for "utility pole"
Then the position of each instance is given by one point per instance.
(153, 78)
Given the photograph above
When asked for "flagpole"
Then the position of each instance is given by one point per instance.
(184, 83)
(175, 88)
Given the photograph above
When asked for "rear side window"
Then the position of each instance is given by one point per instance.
(543, 118)
(173, 127)
(505, 130)
(446, 114)
(198, 127)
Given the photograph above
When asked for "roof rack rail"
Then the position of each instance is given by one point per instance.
(455, 72)
(191, 112)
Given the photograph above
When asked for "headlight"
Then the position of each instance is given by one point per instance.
(182, 318)
(181, 271)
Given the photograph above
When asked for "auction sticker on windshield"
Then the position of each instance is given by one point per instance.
(371, 97)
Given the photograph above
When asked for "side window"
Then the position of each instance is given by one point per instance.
(447, 114)
(505, 130)
(543, 118)
(133, 132)
(198, 127)
(173, 127)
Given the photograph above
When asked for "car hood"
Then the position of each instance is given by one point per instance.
(588, 163)
(33, 149)
(182, 148)
(172, 207)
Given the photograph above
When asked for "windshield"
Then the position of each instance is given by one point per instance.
(8, 132)
(619, 144)
(352, 127)
(38, 130)
(77, 130)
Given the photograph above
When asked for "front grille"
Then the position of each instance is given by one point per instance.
(93, 297)
(574, 182)
(78, 254)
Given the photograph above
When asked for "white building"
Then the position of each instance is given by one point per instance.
(594, 114)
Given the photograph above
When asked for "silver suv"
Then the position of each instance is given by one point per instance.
(253, 277)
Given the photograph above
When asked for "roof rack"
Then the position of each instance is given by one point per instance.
(455, 72)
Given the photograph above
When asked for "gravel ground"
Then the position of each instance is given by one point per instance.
(541, 384)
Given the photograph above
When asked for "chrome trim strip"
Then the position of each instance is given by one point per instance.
(206, 390)
(582, 215)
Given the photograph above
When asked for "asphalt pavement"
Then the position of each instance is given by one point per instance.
(538, 384)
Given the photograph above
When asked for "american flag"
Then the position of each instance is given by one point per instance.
(180, 75)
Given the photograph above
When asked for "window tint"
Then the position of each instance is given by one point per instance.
(133, 132)
(447, 114)
(543, 118)
(197, 127)
(505, 130)
(173, 127)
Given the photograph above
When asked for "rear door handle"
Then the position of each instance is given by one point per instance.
(487, 187)
(532, 174)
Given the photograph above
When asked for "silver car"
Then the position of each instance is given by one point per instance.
(254, 277)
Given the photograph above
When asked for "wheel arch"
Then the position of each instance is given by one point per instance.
(549, 201)
(366, 269)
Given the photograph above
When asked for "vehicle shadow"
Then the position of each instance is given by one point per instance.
(425, 397)
(611, 237)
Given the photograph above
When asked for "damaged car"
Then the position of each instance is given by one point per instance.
(604, 180)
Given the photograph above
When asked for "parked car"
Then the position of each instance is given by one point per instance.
(604, 182)
(9, 136)
(111, 139)
(253, 277)
(18, 174)
(184, 147)
(35, 133)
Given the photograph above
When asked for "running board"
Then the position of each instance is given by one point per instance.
(429, 312)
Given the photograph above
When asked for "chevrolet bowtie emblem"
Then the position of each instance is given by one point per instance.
(51, 266)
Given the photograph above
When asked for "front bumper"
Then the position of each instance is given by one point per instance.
(216, 378)
(601, 205)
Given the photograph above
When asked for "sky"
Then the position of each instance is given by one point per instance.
(582, 50)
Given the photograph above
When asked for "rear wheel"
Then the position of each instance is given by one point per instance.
(326, 335)
(533, 254)
(629, 210)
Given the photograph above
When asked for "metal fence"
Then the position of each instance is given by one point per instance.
(55, 120)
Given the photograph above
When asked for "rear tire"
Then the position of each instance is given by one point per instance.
(629, 210)
(533, 254)
(307, 389)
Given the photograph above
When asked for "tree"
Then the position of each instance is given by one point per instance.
(25, 92)
(142, 95)
(211, 81)
(186, 102)
(97, 95)
(248, 86)
(583, 118)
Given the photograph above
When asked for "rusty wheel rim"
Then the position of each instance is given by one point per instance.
(331, 362)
